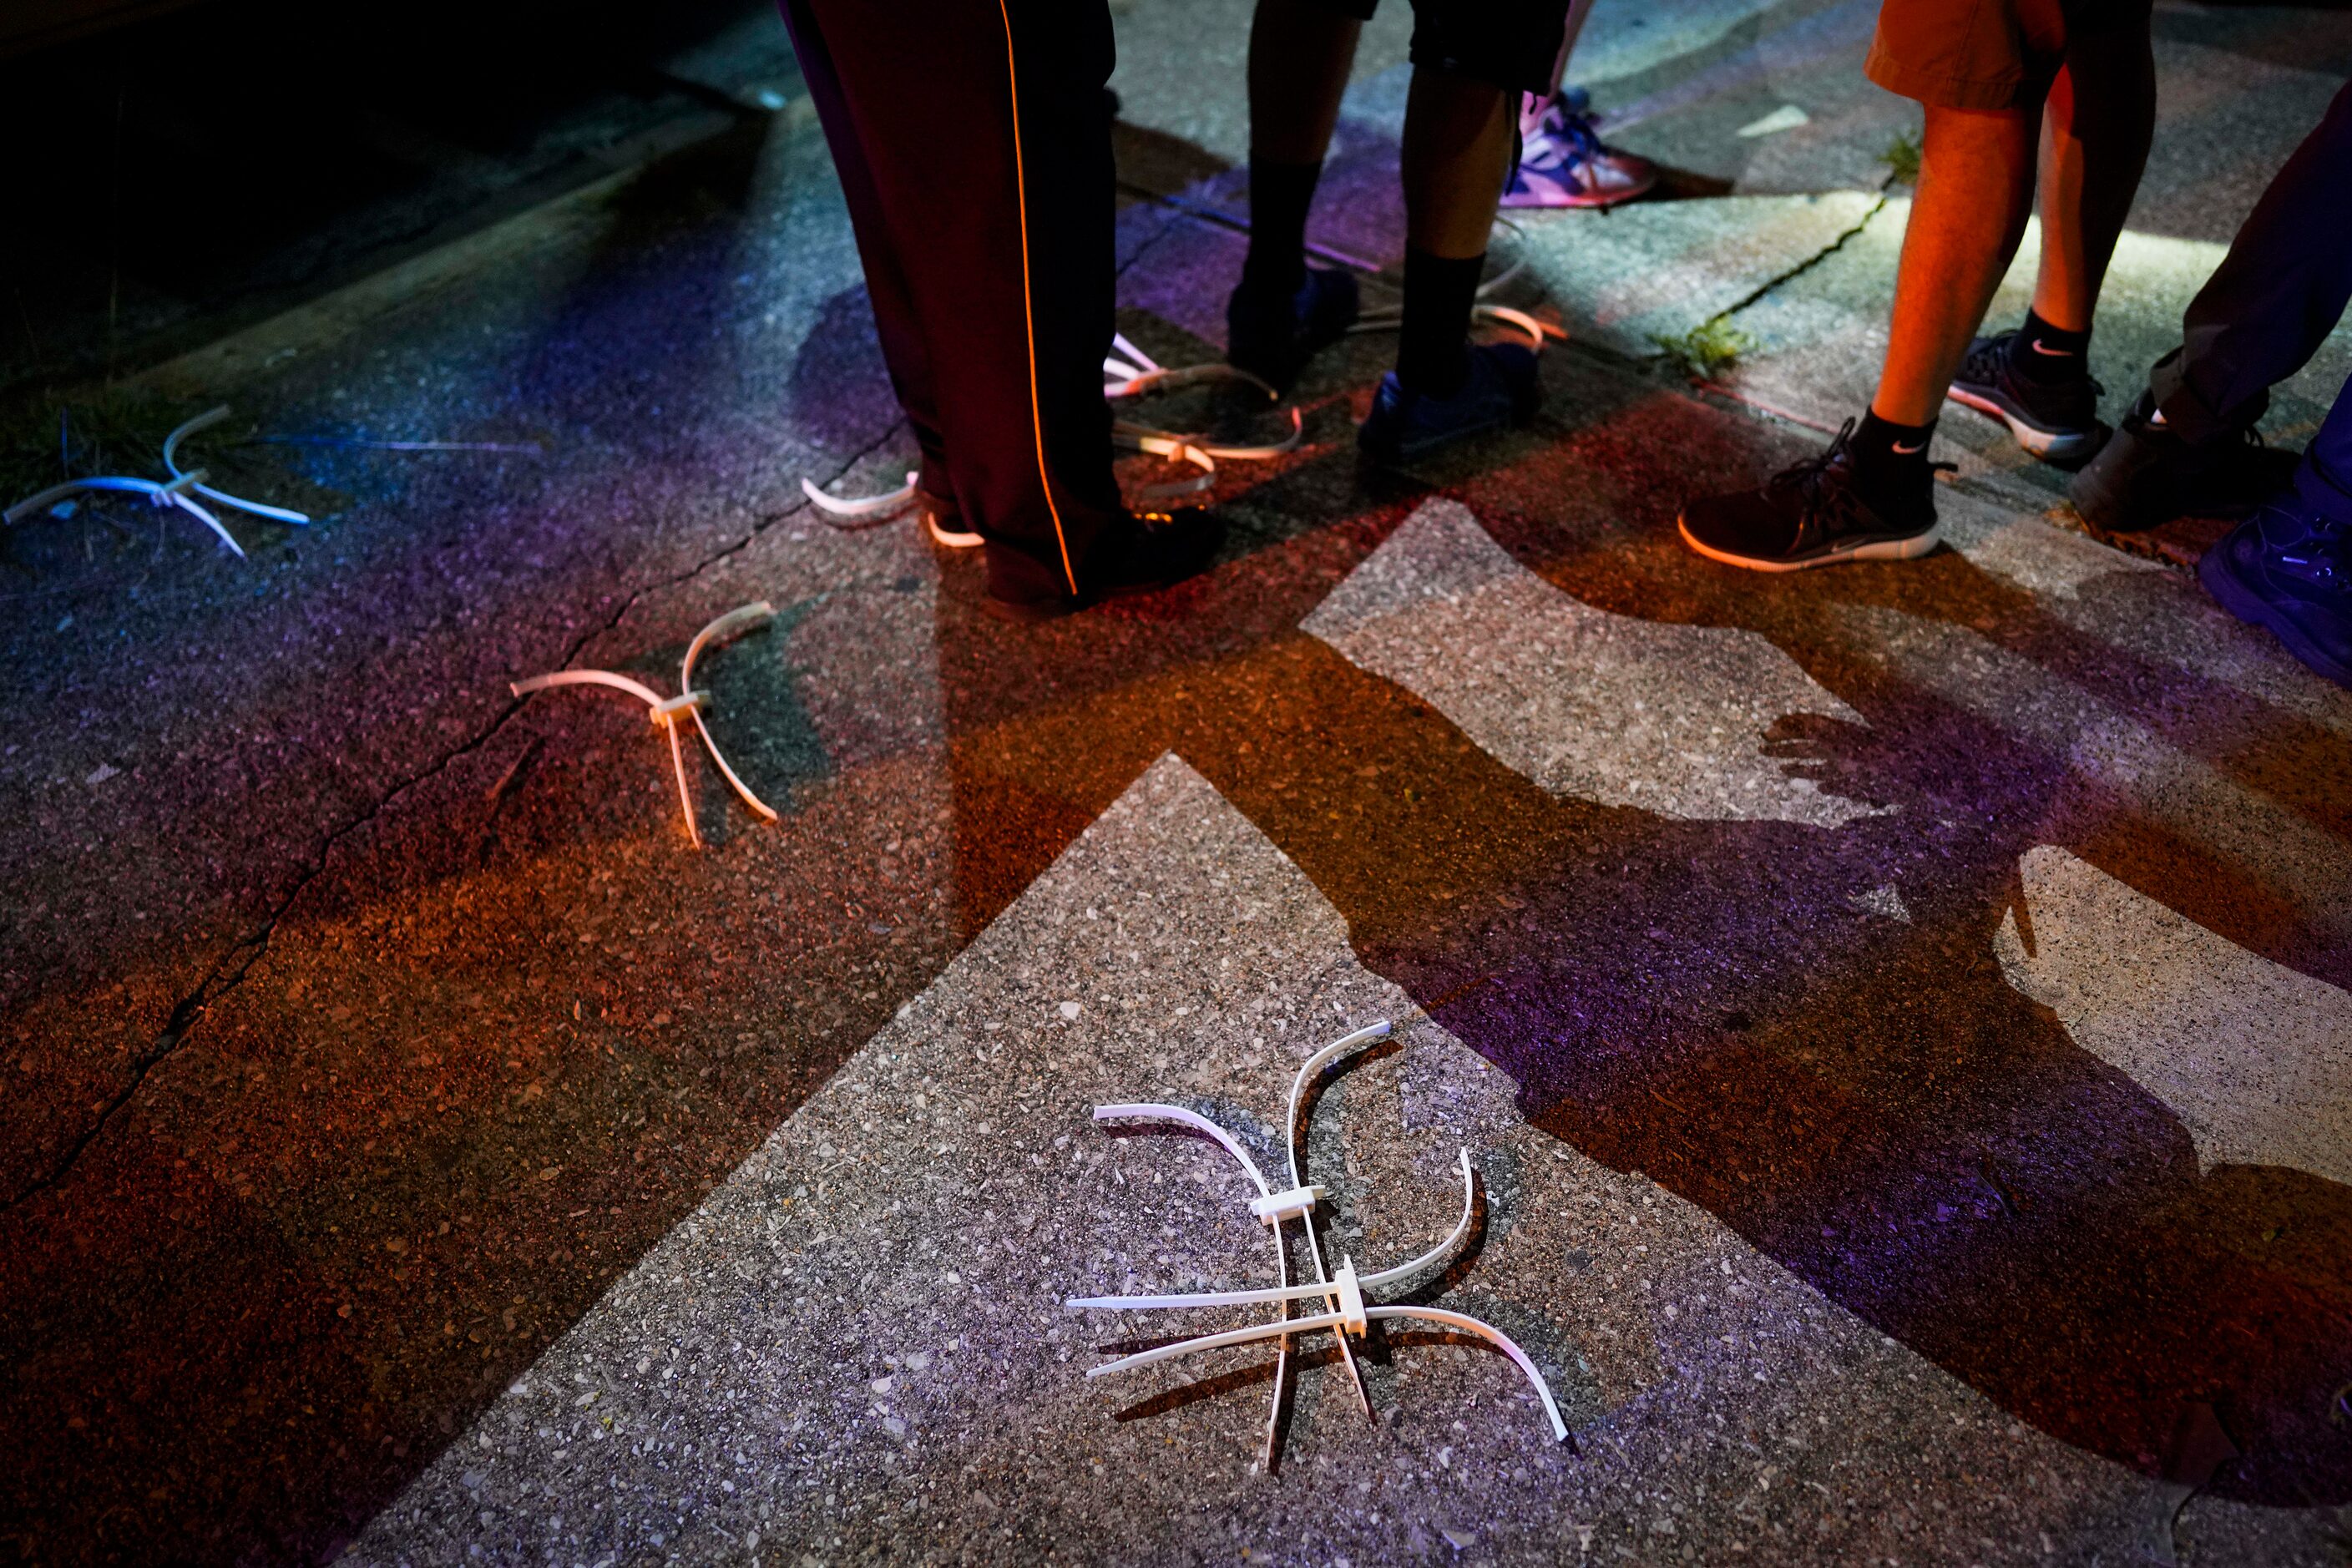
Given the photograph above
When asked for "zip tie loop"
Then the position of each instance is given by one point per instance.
(665, 710)
(212, 416)
(868, 508)
(1348, 1314)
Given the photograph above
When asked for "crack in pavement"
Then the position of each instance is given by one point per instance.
(1807, 264)
(230, 971)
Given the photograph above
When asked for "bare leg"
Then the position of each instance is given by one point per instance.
(1457, 148)
(1976, 186)
(1300, 54)
(2094, 141)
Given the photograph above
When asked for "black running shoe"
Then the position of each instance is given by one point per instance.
(1274, 339)
(2057, 421)
(1134, 556)
(1814, 514)
(2148, 475)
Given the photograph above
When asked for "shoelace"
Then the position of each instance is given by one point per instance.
(1826, 509)
(2323, 558)
(1987, 363)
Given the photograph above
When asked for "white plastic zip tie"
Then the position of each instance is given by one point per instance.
(1199, 1123)
(871, 508)
(1391, 318)
(1538, 333)
(171, 461)
(666, 711)
(1129, 372)
(172, 494)
(1348, 1315)
(174, 491)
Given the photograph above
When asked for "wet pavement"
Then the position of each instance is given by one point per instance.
(1899, 1016)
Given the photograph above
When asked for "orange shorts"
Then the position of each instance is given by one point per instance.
(1986, 54)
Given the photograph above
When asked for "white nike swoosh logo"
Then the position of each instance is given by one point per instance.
(2053, 353)
(1907, 451)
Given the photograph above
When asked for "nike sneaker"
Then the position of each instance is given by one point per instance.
(2056, 420)
(1816, 514)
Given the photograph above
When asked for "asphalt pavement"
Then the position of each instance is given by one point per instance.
(1896, 1016)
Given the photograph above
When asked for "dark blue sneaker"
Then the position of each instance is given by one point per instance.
(1405, 425)
(1274, 339)
(2289, 568)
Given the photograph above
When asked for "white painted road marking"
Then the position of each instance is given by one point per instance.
(1607, 707)
(2256, 1058)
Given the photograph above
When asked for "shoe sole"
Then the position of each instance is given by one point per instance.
(1883, 549)
(2242, 602)
(1587, 204)
(2050, 445)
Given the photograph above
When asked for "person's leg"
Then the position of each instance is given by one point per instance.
(1457, 148)
(1976, 187)
(2276, 296)
(895, 322)
(2097, 119)
(1300, 54)
(2095, 130)
(2183, 450)
(1470, 67)
(1014, 308)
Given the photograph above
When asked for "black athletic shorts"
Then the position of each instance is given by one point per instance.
(1511, 43)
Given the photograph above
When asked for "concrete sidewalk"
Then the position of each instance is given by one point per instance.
(1940, 969)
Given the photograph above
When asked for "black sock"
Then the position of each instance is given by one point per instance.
(2045, 353)
(1279, 195)
(1887, 455)
(1433, 359)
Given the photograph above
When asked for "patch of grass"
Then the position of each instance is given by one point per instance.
(44, 440)
(1706, 351)
(1902, 160)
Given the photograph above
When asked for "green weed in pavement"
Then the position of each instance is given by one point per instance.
(1706, 351)
(1902, 160)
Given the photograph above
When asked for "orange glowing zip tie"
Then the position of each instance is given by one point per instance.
(665, 711)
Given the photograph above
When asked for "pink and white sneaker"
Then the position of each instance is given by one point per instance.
(1563, 162)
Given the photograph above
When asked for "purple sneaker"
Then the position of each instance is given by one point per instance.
(1563, 162)
(2289, 567)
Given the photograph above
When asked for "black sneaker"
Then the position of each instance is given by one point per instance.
(2148, 475)
(1815, 514)
(1274, 339)
(2057, 421)
(1133, 557)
